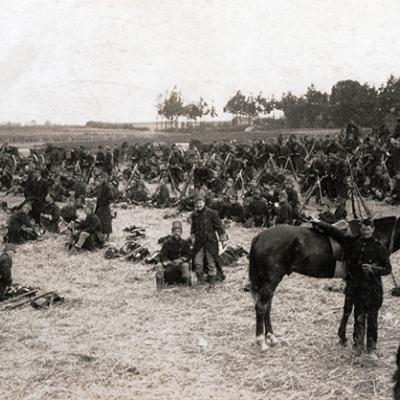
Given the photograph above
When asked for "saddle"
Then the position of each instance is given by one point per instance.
(338, 252)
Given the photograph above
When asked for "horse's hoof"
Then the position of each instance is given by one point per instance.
(261, 343)
(272, 339)
(343, 342)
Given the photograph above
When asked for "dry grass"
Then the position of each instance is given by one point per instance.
(116, 337)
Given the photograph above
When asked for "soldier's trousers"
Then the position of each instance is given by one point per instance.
(199, 258)
(365, 318)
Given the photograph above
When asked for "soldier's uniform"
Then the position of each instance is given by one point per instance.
(258, 211)
(366, 288)
(205, 224)
(174, 260)
(5, 273)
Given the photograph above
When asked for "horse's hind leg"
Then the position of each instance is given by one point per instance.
(263, 308)
(347, 310)
(269, 333)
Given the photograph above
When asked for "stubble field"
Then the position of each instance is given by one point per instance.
(117, 337)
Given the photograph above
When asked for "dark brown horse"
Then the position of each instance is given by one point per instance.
(285, 249)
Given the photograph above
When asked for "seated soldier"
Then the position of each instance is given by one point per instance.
(86, 234)
(174, 259)
(162, 196)
(380, 184)
(20, 228)
(326, 214)
(50, 216)
(234, 210)
(284, 211)
(5, 270)
(394, 198)
(257, 213)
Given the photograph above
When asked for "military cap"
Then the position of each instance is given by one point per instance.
(177, 225)
(199, 196)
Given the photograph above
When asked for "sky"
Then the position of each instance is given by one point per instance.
(70, 61)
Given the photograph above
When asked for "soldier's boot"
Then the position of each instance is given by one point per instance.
(200, 280)
(212, 280)
(160, 283)
(187, 281)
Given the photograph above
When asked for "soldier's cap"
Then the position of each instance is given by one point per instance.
(199, 196)
(176, 225)
(368, 222)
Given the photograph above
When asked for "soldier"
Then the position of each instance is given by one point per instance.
(380, 184)
(234, 210)
(86, 234)
(50, 215)
(174, 258)
(20, 228)
(369, 260)
(205, 224)
(5, 270)
(257, 211)
(284, 212)
(103, 210)
(108, 161)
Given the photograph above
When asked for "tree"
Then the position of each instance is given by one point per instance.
(389, 97)
(170, 105)
(293, 108)
(236, 104)
(316, 108)
(350, 100)
(250, 106)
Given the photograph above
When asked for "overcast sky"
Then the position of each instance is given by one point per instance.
(70, 61)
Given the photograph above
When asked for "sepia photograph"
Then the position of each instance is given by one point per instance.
(199, 200)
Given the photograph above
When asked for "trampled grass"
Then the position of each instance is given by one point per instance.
(116, 337)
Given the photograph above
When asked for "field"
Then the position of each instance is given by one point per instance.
(25, 137)
(117, 337)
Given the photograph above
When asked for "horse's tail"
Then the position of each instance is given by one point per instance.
(255, 268)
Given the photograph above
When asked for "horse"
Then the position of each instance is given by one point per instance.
(285, 249)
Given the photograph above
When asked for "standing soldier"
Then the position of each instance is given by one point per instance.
(205, 224)
(5, 270)
(103, 210)
(369, 260)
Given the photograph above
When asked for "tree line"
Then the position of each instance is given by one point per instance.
(348, 100)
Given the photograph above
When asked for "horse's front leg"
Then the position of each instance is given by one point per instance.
(347, 310)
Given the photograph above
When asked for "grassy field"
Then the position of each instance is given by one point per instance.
(117, 337)
(75, 136)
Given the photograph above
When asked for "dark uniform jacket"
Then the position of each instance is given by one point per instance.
(173, 249)
(205, 224)
(365, 286)
(51, 224)
(103, 209)
(5, 270)
(284, 214)
(16, 222)
(258, 210)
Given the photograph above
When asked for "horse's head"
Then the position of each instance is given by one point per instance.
(387, 229)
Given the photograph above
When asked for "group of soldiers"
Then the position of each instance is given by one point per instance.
(257, 184)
